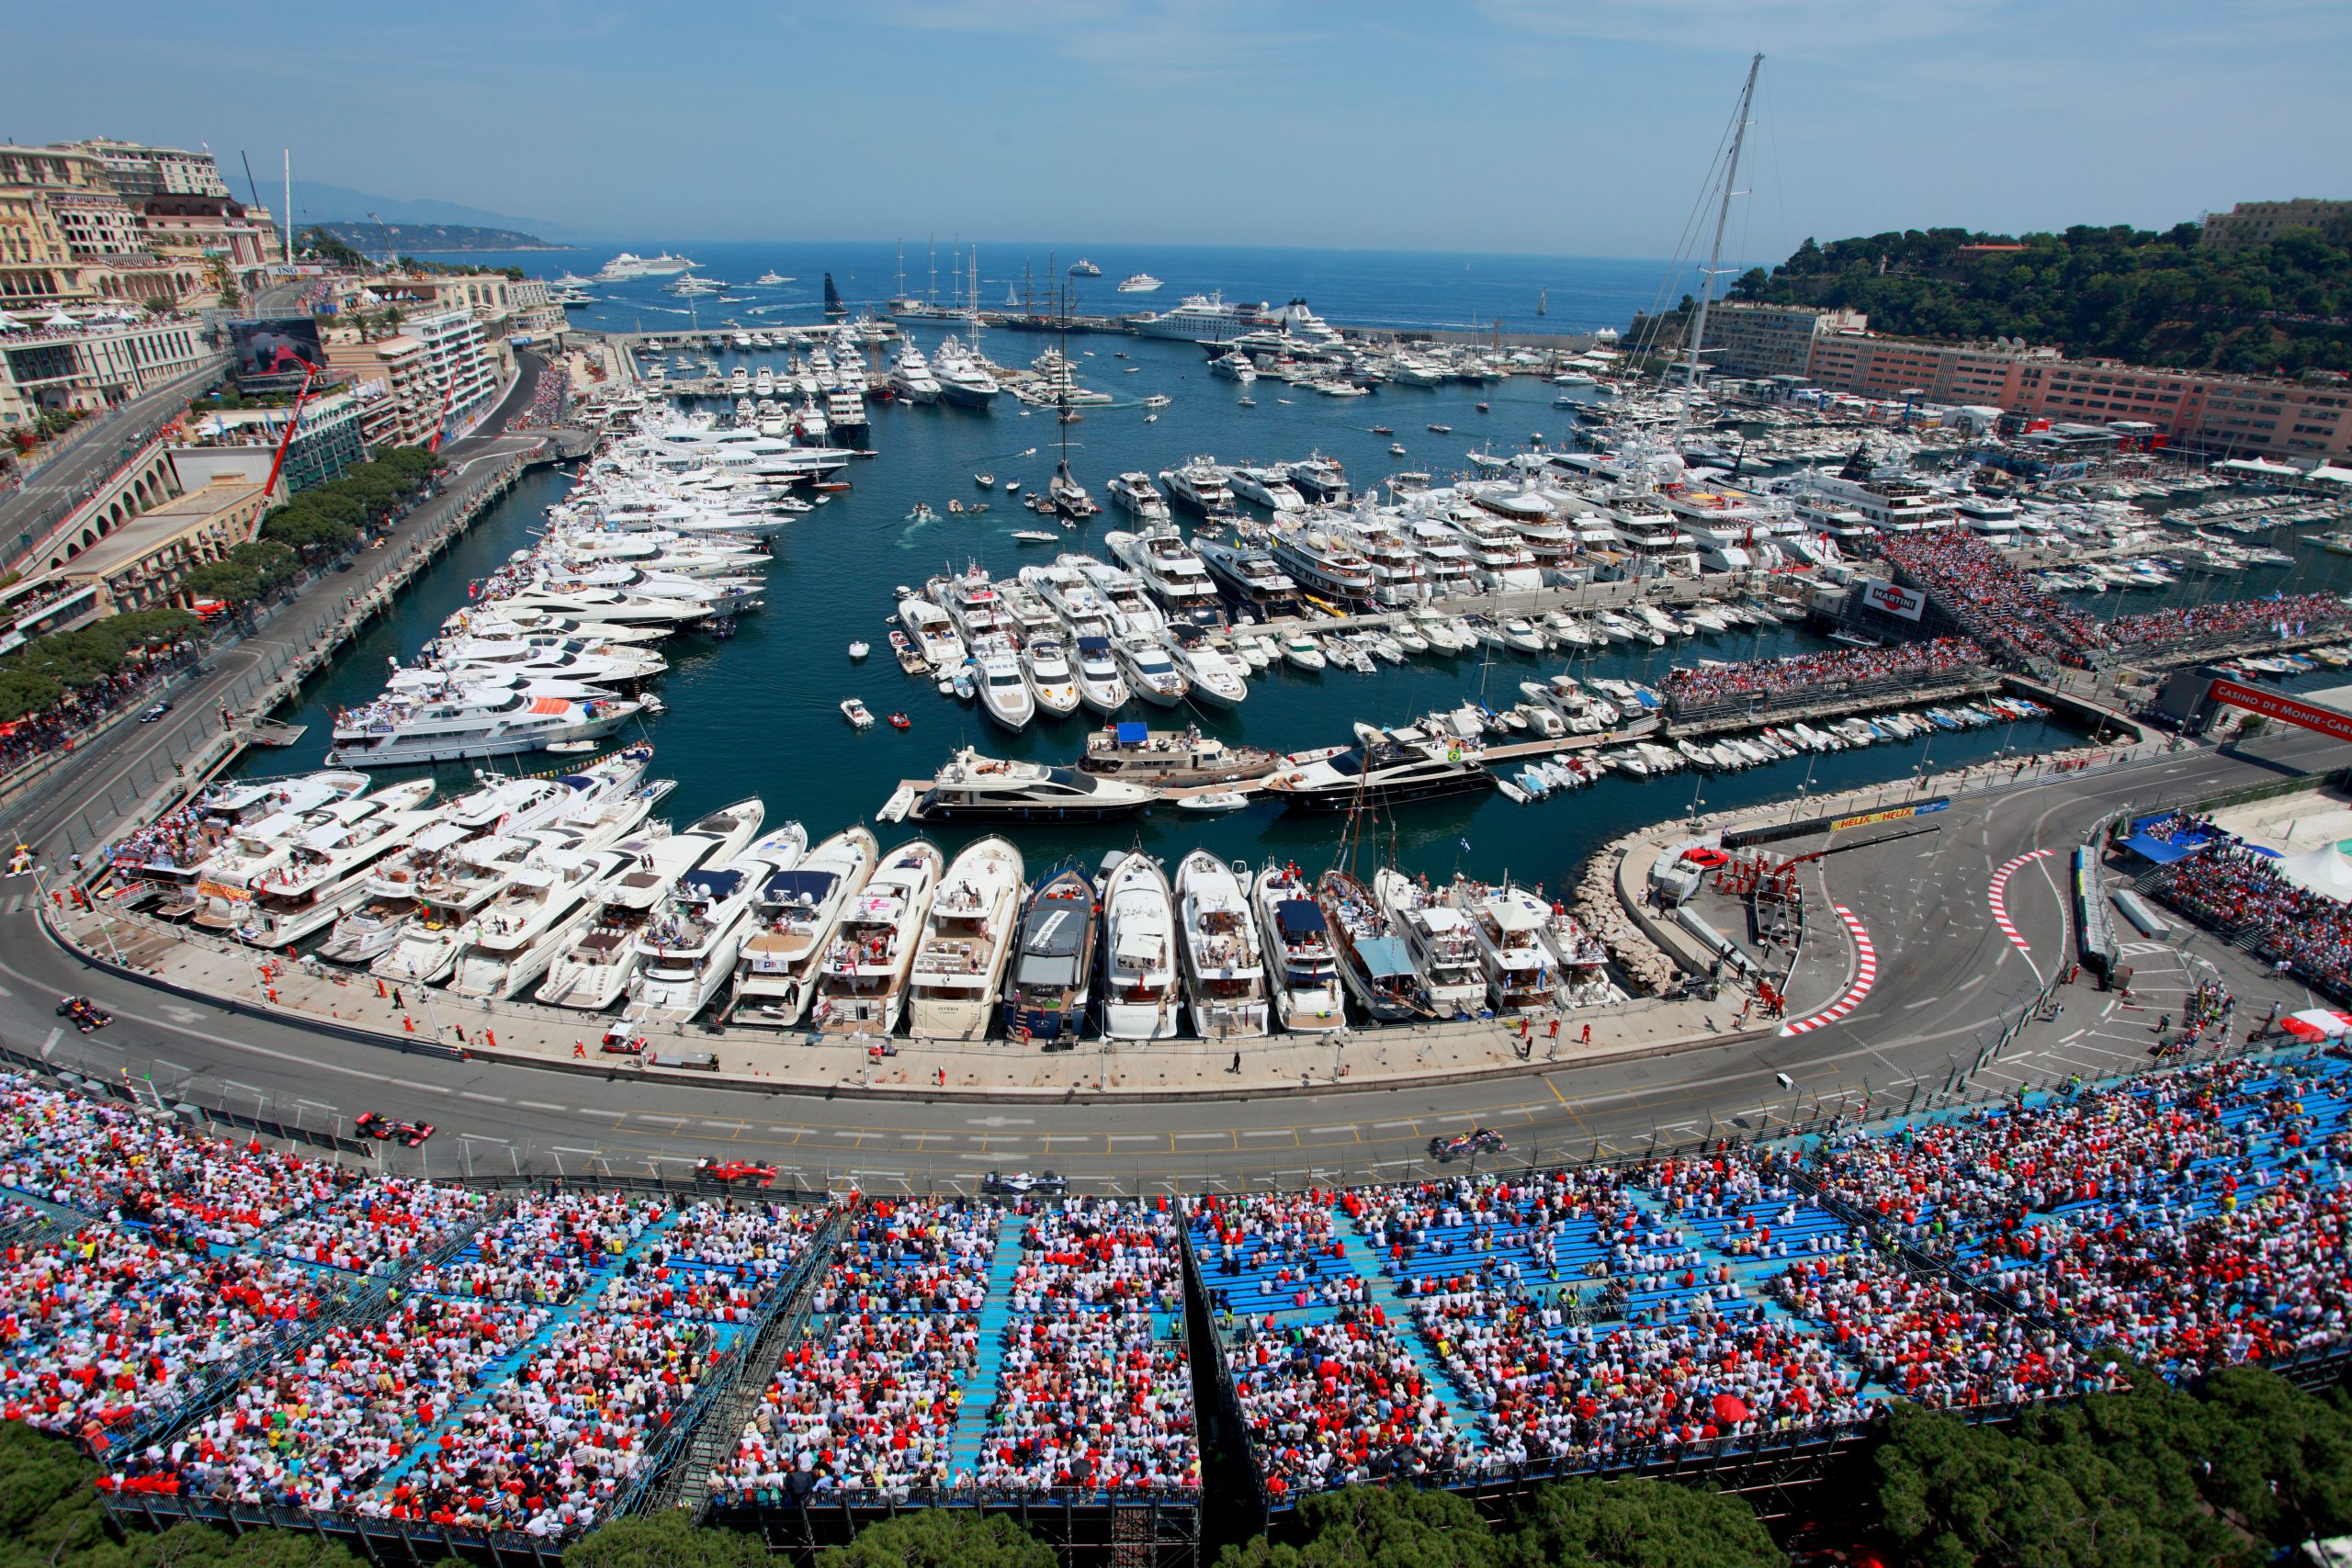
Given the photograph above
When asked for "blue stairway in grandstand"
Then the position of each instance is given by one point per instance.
(1399, 1308)
(1753, 1276)
(996, 1319)
(504, 1368)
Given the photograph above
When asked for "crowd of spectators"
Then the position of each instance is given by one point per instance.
(1997, 604)
(2183, 1220)
(101, 1325)
(1331, 1393)
(1814, 676)
(544, 1451)
(2229, 621)
(866, 1405)
(2193, 1218)
(2243, 894)
(1093, 1391)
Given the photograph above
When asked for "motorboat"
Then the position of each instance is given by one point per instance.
(1198, 485)
(856, 711)
(688, 950)
(1048, 986)
(511, 940)
(1253, 583)
(1005, 691)
(974, 788)
(1214, 802)
(911, 379)
(275, 883)
(1521, 971)
(1308, 993)
(1388, 770)
(1267, 486)
(596, 969)
(933, 632)
(794, 915)
(1171, 759)
(1224, 972)
(1135, 494)
(1150, 670)
(1233, 366)
(1052, 683)
(1170, 570)
(1213, 676)
(1120, 592)
(1438, 938)
(1303, 651)
(1321, 563)
(1100, 686)
(862, 987)
(449, 892)
(457, 722)
(968, 940)
(1140, 989)
(1374, 963)
(1137, 283)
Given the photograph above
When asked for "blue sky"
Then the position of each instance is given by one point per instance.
(1562, 127)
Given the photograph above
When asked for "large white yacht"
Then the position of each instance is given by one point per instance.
(1253, 582)
(1233, 366)
(973, 788)
(910, 376)
(1521, 971)
(959, 967)
(510, 941)
(1068, 594)
(1129, 609)
(863, 986)
(1224, 977)
(1198, 484)
(1139, 942)
(687, 951)
(963, 380)
(933, 632)
(1199, 318)
(1004, 690)
(592, 972)
(401, 729)
(1170, 570)
(1323, 564)
(1150, 670)
(368, 931)
(1135, 494)
(1100, 686)
(1438, 936)
(794, 918)
(275, 883)
(1045, 661)
(457, 885)
(1267, 486)
(1308, 994)
(1213, 675)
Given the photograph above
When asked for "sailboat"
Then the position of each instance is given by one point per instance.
(834, 305)
(1543, 301)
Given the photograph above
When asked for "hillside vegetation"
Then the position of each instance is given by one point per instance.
(2118, 293)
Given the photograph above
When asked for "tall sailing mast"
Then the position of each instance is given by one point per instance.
(1696, 370)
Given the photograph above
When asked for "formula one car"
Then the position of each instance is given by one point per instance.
(85, 1014)
(1021, 1181)
(1461, 1146)
(156, 712)
(730, 1171)
(377, 1126)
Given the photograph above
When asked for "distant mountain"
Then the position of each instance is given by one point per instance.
(431, 239)
(317, 203)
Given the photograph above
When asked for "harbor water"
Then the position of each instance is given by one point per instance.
(759, 714)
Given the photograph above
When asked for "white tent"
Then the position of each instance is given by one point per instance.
(60, 320)
(2326, 871)
(9, 324)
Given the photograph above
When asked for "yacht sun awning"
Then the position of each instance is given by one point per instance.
(1298, 917)
(805, 888)
(714, 885)
(1132, 732)
(1384, 957)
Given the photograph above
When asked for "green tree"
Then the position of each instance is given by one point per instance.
(941, 1538)
(1639, 1524)
(223, 580)
(1379, 1526)
(666, 1539)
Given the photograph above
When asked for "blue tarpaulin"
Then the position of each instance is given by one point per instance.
(1132, 733)
(2179, 844)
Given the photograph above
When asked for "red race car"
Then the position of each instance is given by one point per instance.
(730, 1171)
(378, 1126)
